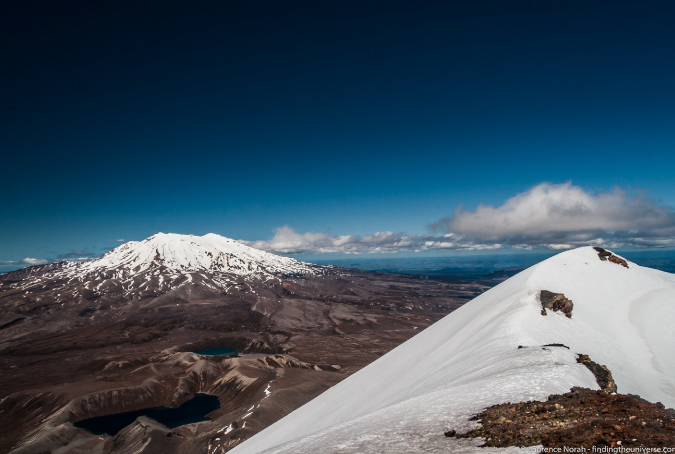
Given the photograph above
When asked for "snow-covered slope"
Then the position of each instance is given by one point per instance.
(622, 318)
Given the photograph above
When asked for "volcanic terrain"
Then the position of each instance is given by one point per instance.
(80, 340)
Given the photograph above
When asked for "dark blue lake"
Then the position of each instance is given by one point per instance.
(194, 410)
(218, 352)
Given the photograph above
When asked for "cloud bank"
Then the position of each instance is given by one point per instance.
(562, 216)
(288, 241)
(560, 208)
(550, 216)
(27, 261)
(76, 256)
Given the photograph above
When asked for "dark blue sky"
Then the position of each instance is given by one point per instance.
(120, 119)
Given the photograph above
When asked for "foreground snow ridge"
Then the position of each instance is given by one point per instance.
(470, 360)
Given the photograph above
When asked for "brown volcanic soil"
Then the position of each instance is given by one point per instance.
(579, 418)
(72, 350)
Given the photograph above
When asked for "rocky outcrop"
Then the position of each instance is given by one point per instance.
(22, 419)
(279, 361)
(556, 302)
(602, 375)
(579, 418)
(10, 319)
(144, 435)
(605, 255)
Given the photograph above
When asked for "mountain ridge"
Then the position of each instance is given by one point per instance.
(497, 348)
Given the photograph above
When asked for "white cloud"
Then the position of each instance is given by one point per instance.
(121, 240)
(560, 208)
(558, 247)
(563, 216)
(288, 241)
(32, 261)
(552, 216)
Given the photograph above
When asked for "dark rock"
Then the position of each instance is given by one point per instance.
(605, 255)
(602, 375)
(555, 302)
(618, 261)
(556, 345)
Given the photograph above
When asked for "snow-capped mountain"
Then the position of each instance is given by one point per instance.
(188, 253)
(506, 345)
(164, 266)
(167, 260)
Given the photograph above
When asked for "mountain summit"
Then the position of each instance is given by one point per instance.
(583, 318)
(188, 253)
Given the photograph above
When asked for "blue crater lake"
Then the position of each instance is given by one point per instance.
(218, 352)
(194, 410)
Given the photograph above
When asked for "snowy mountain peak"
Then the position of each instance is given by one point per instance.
(190, 253)
(500, 347)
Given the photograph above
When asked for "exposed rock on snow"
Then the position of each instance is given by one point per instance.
(555, 302)
(602, 375)
(557, 345)
(606, 255)
(548, 345)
